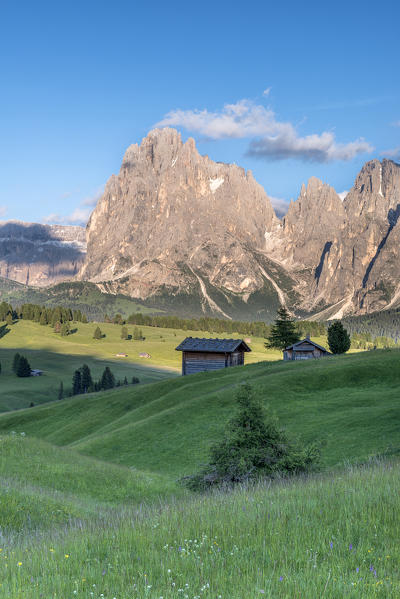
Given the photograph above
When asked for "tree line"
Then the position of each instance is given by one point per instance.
(41, 314)
(213, 325)
(82, 381)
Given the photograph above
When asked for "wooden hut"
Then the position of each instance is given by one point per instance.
(199, 355)
(304, 350)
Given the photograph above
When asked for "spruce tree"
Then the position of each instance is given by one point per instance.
(107, 380)
(77, 383)
(23, 368)
(124, 333)
(125, 381)
(15, 363)
(252, 447)
(61, 391)
(97, 333)
(338, 338)
(84, 319)
(283, 332)
(86, 379)
(43, 318)
(9, 319)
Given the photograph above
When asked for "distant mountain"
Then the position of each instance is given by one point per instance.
(40, 255)
(180, 232)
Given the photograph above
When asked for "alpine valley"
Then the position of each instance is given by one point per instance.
(178, 232)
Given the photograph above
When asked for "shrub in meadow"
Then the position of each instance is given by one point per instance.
(253, 447)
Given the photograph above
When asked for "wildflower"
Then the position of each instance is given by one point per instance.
(357, 570)
(19, 563)
(350, 547)
(66, 555)
(280, 577)
(331, 544)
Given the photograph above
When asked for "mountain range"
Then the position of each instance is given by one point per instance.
(181, 232)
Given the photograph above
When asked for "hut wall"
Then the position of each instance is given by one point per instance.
(193, 362)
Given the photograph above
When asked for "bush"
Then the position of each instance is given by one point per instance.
(252, 447)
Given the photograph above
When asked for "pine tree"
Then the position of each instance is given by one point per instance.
(338, 338)
(135, 380)
(61, 391)
(84, 319)
(15, 363)
(23, 368)
(9, 319)
(97, 333)
(107, 379)
(137, 334)
(43, 318)
(86, 379)
(124, 333)
(283, 332)
(125, 381)
(77, 383)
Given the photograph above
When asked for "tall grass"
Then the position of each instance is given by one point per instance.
(329, 537)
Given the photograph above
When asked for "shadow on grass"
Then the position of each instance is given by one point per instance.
(17, 393)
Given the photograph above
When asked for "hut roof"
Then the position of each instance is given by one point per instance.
(212, 345)
(306, 340)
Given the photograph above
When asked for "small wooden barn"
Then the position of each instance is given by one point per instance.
(199, 355)
(304, 350)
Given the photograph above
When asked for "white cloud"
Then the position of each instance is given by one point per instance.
(272, 139)
(280, 205)
(343, 194)
(393, 153)
(267, 91)
(3, 211)
(79, 216)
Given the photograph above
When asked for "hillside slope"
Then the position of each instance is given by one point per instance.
(349, 402)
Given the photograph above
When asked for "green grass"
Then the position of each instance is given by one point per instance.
(82, 479)
(351, 403)
(59, 356)
(329, 537)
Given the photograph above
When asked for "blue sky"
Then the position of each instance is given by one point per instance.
(287, 89)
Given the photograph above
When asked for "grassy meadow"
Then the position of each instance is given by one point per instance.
(59, 356)
(91, 507)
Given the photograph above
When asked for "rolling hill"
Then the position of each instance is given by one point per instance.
(349, 402)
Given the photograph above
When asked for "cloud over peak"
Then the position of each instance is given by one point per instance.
(269, 138)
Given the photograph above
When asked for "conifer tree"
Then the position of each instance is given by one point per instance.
(84, 319)
(65, 329)
(252, 447)
(107, 380)
(61, 391)
(15, 363)
(125, 381)
(97, 333)
(77, 383)
(283, 332)
(23, 368)
(338, 338)
(124, 333)
(43, 318)
(9, 319)
(86, 379)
